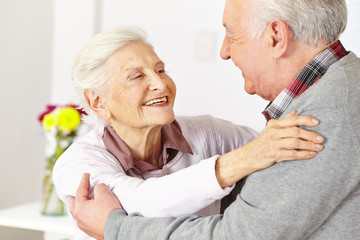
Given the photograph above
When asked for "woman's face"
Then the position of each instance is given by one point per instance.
(141, 94)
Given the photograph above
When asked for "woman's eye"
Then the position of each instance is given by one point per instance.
(161, 71)
(135, 76)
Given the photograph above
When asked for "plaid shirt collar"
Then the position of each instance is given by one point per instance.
(309, 75)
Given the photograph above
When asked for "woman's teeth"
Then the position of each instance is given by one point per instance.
(156, 101)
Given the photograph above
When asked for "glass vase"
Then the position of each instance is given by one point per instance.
(56, 144)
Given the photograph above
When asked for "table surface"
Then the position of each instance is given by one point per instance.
(28, 216)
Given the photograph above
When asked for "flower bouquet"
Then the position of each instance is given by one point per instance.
(61, 125)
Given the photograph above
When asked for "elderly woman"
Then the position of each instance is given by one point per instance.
(156, 164)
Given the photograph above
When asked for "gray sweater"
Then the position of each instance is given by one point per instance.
(306, 199)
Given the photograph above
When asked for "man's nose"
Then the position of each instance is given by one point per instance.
(225, 49)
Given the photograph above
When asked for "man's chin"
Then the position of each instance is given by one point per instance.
(249, 91)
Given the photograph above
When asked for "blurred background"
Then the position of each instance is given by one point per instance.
(39, 38)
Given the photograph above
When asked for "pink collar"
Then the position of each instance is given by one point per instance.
(172, 142)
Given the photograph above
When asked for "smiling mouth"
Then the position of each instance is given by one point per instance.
(156, 101)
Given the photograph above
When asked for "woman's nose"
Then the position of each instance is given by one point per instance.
(157, 82)
(225, 49)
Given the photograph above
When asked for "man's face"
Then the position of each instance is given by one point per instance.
(250, 55)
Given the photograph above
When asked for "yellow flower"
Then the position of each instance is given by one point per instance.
(49, 121)
(68, 119)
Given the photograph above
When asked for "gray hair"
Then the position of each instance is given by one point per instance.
(309, 20)
(88, 67)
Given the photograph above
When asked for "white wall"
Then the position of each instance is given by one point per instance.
(25, 76)
(350, 38)
(74, 24)
(25, 60)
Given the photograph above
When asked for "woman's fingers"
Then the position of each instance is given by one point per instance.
(288, 155)
(297, 132)
(284, 140)
(293, 120)
(293, 113)
(298, 144)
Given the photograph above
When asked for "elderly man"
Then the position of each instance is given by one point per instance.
(289, 54)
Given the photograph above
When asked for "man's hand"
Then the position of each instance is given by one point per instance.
(91, 214)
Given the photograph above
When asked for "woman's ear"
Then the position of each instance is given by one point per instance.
(97, 104)
(278, 36)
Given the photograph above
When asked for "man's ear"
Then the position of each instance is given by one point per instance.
(278, 36)
(97, 104)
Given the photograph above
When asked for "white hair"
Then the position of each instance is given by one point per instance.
(309, 20)
(88, 67)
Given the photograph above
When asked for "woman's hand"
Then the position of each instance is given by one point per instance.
(280, 140)
(284, 140)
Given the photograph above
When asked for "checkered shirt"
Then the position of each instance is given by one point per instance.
(309, 75)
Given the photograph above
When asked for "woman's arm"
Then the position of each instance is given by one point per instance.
(185, 191)
(192, 188)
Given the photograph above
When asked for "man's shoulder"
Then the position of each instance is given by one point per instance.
(338, 87)
(346, 70)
